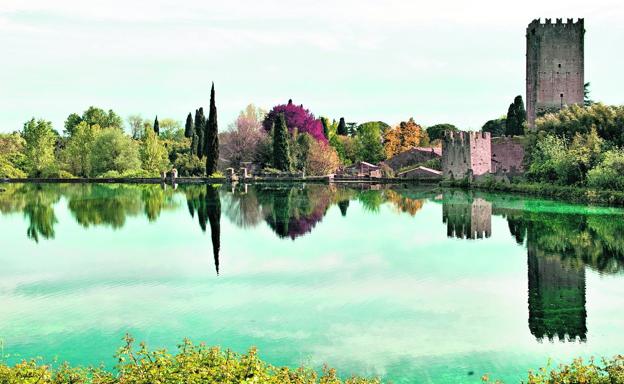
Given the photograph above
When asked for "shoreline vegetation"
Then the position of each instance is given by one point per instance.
(198, 363)
(573, 194)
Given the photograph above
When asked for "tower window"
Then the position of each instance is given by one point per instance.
(559, 65)
(561, 95)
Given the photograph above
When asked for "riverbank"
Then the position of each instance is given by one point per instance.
(557, 192)
(221, 180)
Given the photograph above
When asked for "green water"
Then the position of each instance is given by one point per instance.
(413, 285)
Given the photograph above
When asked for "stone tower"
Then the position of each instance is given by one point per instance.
(466, 154)
(554, 66)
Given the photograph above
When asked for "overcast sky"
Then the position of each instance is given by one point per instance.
(438, 61)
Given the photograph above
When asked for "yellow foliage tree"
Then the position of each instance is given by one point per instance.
(405, 136)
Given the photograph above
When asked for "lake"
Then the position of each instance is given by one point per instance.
(413, 284)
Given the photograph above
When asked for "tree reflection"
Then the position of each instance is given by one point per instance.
(206, 202)
(40, 211)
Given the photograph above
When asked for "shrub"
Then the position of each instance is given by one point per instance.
(192, 364)
(609, 174)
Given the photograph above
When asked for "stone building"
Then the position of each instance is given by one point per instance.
(466, 154)
(554, 66)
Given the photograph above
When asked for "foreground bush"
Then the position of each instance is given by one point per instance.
(192, 364)
(609, 372)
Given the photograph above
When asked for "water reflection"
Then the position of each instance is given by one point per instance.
(205, 201)
(561, 240)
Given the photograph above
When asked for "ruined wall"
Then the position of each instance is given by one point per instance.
(507, 155)
(554, 66)
(466, 154)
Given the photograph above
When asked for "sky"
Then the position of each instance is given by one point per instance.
(446, 61)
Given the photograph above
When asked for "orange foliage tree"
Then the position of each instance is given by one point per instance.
(322, 159)
(405, 136)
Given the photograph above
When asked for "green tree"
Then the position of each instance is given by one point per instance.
(171, 129)
(607, 119)
(153, 153)
(156, 126)
(188, 127)
(342, 127)
(200, 126)
(496, 127)
(77, 153)
(436, 132)
(40, 140)
(609, 174)
(114, 151)
(516, 117)
(281, 150)
(136, 126)
(325, 127)
(93, 116)
(370, 143)
(211, 144)
(587, 101)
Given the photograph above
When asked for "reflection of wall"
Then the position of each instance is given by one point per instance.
(468, 220)
(556, 296)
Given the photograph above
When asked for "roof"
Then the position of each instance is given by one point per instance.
(359, 163)
(421, 168)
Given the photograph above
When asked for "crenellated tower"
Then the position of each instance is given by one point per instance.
(466, 154)
(554, 66)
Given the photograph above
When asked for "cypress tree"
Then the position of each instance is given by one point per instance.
(516, 116)
(325, 127)
(211, 143)
(281, 151)
(200, 128)
(188, 127)
(156, 126)
(342, 127)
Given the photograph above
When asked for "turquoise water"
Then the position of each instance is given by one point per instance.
(413, 285)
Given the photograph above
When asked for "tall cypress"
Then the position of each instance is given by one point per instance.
(211, 144)
(516, 116)
(281, 151)
(156, 126)
(200, 127)
(188, 127)
(342, 127)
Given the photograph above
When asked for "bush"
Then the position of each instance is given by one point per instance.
(7, 170)
(192, 364)
(609, 174)
(189, 165)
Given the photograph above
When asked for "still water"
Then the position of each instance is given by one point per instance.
(413, 285)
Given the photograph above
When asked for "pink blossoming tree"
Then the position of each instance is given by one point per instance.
(298, 118)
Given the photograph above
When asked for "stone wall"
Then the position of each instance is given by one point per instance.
(554, 66)
(507, 155)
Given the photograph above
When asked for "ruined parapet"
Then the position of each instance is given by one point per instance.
(554, 66)
(466, 154)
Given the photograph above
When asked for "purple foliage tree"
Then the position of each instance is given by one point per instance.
(296, 117)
